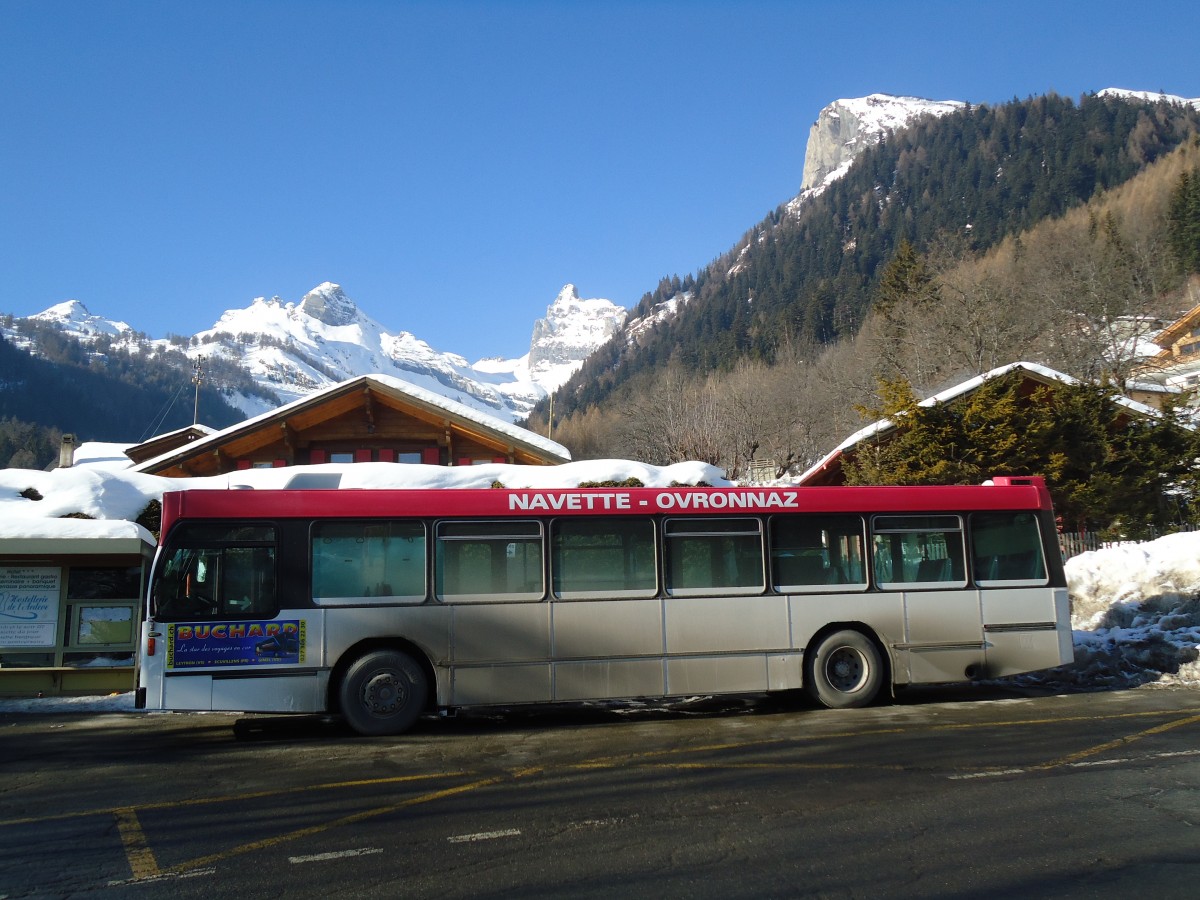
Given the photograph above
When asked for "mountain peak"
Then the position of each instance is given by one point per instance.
(328, 303)
(568, 294)
(74, 318)
(572, 329)
(845, 128)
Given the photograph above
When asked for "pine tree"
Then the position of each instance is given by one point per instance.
(1104, 469)
(1183, 221)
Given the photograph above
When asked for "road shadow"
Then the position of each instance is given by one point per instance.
(515, 719)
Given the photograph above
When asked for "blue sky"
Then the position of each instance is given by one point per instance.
(453, 164)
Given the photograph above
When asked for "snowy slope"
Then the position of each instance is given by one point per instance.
(1150, 96)
(293, 349)
(73, 317)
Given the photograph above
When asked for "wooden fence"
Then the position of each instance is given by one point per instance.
(1074, 543)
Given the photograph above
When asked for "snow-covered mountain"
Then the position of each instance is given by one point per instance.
(845, 128)
(73, 317)
(292, 349)
(326, 338)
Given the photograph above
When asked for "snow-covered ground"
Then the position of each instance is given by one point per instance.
(1135, 611)
(1135, 607)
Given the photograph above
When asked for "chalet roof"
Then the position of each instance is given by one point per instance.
(422, 401)
(162, 443)
(1177, 329)
(1031, 371)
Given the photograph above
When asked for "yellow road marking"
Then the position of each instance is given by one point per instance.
(1072, 758)
(137, 850)
(229, 798)
(351, 819)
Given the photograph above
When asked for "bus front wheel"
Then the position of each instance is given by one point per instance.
(383, 693)
(844, 670)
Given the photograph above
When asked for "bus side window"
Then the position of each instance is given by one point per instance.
(713, 556)
(918, 551)
(810, 553)
(603, 557)
(1007, 549)
(356, 563)
(483, 561)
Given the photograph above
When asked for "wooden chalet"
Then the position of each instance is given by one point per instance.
(372, 418)
(1180, 341)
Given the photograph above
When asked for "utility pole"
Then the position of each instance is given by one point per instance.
(197, 377)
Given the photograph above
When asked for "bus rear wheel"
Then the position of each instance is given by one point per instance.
(844, 670)
(383, 692)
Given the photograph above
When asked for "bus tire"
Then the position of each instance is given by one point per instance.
(383, 692)
(844, 670)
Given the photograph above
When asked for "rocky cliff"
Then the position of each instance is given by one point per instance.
(845, 128)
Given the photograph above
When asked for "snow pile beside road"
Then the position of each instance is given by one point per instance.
(1135, 615)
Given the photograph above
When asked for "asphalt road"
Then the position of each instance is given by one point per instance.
(957, 793)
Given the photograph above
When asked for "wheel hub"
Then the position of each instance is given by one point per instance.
(384, 694)
(846, 670)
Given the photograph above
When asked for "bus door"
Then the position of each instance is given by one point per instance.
(491, 574)
(1026, 621)
(607, 618)
(922, 556)
(723, 631)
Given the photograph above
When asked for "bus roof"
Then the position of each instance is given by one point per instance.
(1027, 493)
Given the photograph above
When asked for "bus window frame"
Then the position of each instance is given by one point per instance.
(490, 596)
(368, 600)
(174, 545)
(850, 587)
(1039, 545)
(892, 584)
(553, 559)
(710, 590)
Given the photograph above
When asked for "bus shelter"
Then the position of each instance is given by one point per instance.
(71, 599)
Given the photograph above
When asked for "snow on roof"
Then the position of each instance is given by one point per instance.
(102, 454)
(73, 529)
(1042, 373)
(124, 494)
(515, 432)
(461, 410)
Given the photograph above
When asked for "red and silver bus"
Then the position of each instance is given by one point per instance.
(381, 605)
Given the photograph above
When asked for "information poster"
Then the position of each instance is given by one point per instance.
(29, 605)
(207, 644)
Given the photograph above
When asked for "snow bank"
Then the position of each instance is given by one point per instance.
(1135, 615)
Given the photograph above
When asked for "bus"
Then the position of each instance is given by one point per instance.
(383, 605)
